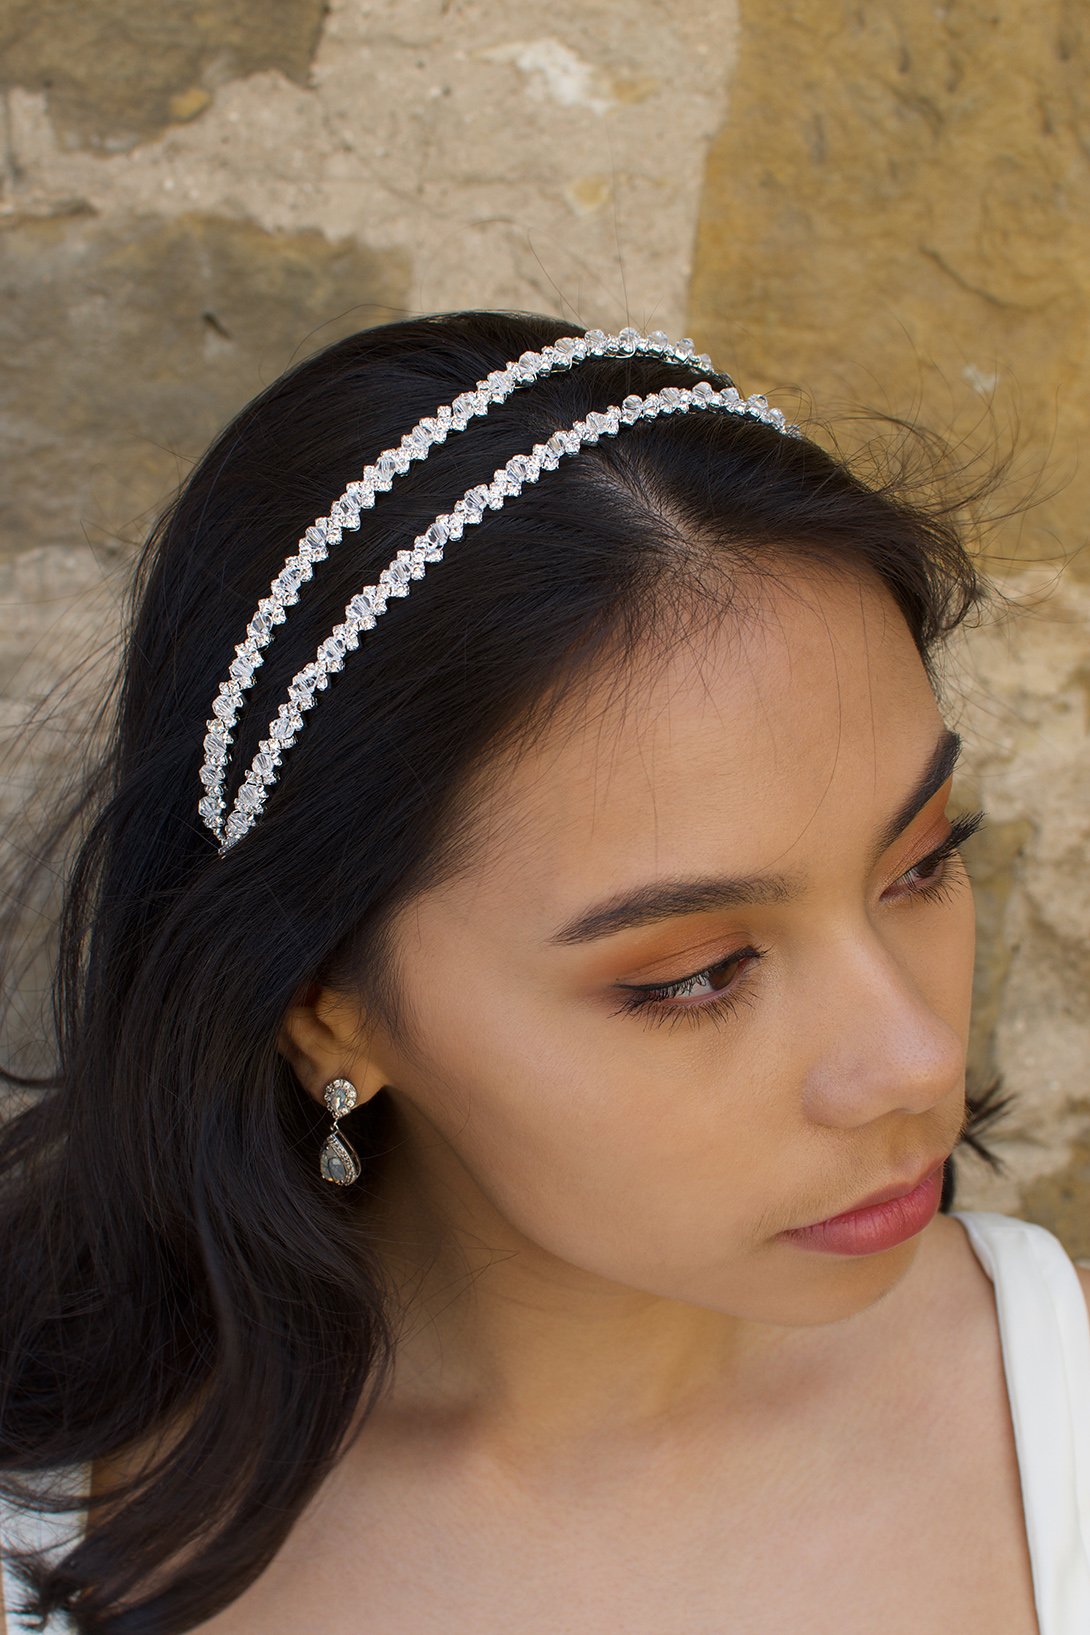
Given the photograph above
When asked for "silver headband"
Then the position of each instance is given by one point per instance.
(370, 602)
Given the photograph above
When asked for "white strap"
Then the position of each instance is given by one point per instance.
(1045, 1335)
(39, 1530)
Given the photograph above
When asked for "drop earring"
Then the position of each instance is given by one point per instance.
(338, 1161)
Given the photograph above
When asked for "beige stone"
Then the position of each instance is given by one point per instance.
(1059, 1198)
(897, 212)
(997, 853)
(1014, 689)
(187, 104)
(450, 132)
(128, 342)
(118, 71)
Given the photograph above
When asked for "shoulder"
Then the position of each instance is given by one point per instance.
(974, 1248)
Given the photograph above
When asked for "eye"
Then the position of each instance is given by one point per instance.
(933, 877)
(731, 976)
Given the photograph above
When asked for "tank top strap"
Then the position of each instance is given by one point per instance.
(40, 1530)
(1044, 1332)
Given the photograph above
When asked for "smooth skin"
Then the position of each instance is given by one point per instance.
(624, 1180)
(623, 1405)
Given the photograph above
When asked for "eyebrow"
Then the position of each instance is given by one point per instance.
(668, 899)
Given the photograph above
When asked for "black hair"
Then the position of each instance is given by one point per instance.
(170, 1251)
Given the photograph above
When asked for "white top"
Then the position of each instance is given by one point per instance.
(1045, 1332)
(1045, 1335)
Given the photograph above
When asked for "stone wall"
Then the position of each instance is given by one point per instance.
(878, 206)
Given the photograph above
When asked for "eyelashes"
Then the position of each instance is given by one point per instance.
(961, 830)
(933, 878)
(654, 1001)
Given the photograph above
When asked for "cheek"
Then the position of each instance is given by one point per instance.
(941, 956)
(633, 1151)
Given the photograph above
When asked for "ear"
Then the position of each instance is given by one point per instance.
(324, 1035)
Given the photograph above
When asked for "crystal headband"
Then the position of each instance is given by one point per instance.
(367, 605)
(378, 477)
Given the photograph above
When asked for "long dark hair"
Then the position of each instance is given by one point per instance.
(170, 1251)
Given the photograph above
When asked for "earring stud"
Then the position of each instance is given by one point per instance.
(338, 1161)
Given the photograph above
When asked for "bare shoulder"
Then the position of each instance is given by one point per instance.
(954, 1255)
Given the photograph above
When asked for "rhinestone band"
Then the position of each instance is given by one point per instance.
(360, 496)
(364, 609)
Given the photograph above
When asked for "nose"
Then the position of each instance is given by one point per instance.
(880, 1042)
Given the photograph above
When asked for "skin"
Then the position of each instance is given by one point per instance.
(583, 1205)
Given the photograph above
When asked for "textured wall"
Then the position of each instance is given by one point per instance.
(914, 218)
(887, 204)
(896, 212)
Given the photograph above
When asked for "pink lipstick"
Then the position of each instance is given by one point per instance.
(878, 1226)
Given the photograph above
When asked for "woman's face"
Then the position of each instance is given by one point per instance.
(748, 834)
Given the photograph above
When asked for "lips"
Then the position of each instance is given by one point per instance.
(897, 1189)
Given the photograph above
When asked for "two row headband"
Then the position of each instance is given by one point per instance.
(370, 602)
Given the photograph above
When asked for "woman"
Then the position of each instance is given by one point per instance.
(463, 1036)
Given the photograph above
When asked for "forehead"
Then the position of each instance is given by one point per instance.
(805, 708)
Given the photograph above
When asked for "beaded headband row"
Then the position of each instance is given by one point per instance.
(368, 604)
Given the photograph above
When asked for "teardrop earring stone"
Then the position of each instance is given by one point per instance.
(338, 1160)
